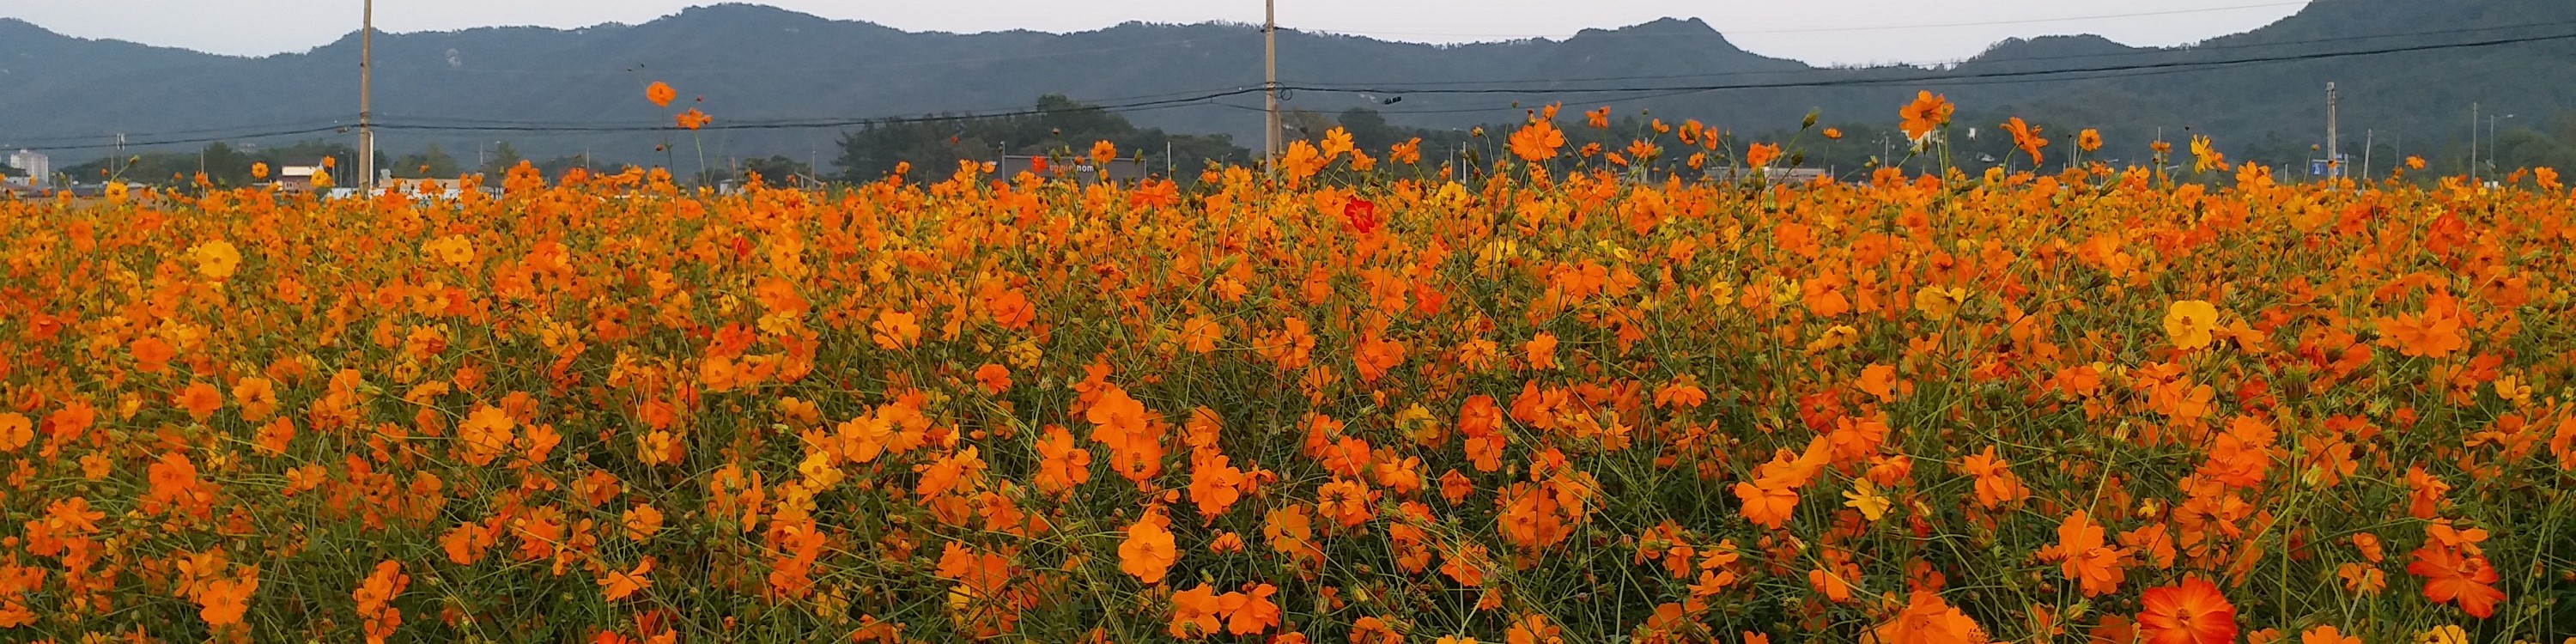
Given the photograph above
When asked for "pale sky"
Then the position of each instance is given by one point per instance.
(1819, 32)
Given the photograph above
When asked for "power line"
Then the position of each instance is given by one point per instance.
(1740, 32)
(1688, 91)
(2155, 52)
(884, 65)
(182, 141)
(1210, 97)
(319, 124)
(309, 122)
(446, 120)
(2107, 71)
(1937, 77)
(835, 122)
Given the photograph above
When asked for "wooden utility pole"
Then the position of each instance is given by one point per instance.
(366, 97)
(1270, 77)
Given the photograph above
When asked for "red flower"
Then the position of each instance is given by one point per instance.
(1362, 215)
(2191, 613)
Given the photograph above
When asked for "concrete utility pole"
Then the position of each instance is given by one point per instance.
(366, 97)
(2369, 140)
(2334, 162)
(1270, 77)
(2473, 140)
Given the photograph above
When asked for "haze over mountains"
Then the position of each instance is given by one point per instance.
(758, 64)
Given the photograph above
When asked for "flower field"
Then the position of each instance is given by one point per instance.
(1365, 400)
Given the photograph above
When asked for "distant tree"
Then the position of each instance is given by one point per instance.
(1058, 125)
(554, 168)
(775, 171)
(502, 159)
(430, 163)
(778, 170)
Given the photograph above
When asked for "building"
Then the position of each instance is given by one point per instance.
(1082, 170)
(39, 168)
(297, 177)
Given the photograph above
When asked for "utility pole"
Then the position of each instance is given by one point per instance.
(2473, 140)
(2369, 138)
(1270, 78)
(2493, 142)
(2334, 161)
(366, 97)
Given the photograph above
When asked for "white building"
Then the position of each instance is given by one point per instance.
(39, 168)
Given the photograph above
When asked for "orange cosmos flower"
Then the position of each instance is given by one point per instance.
(2026, 137)
(1537, 142)
(1250, 612)
(660, 94)
(2084, 558)
(1541, 351)
(1940, 303)
(2327, 635)
(15, 431)
(1760, 154)
(1061, 465)
(2455, 574)
(2088, 140)
(641, 522)
(375, 598)
(1996, 483)
(2434, 333)
(1927, 112)
(484, 434)
(1344, 501)
(1767, 506)
(1148, 551)
(1200, 334)
(1407, 153)
(622, 584)
(2191, 613)
(201, 400)
(895, 330)
(2205, 157)
(1927, 619)
(1195, 613)
(692, 119)
(1337, 142)
(257, 397)
(1103, 152)
(1215, 486)
(995, 378)
(223, 601)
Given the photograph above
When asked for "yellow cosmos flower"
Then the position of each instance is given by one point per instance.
(2189, 323)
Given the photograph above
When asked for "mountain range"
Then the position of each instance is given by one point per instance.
(2408, 72)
